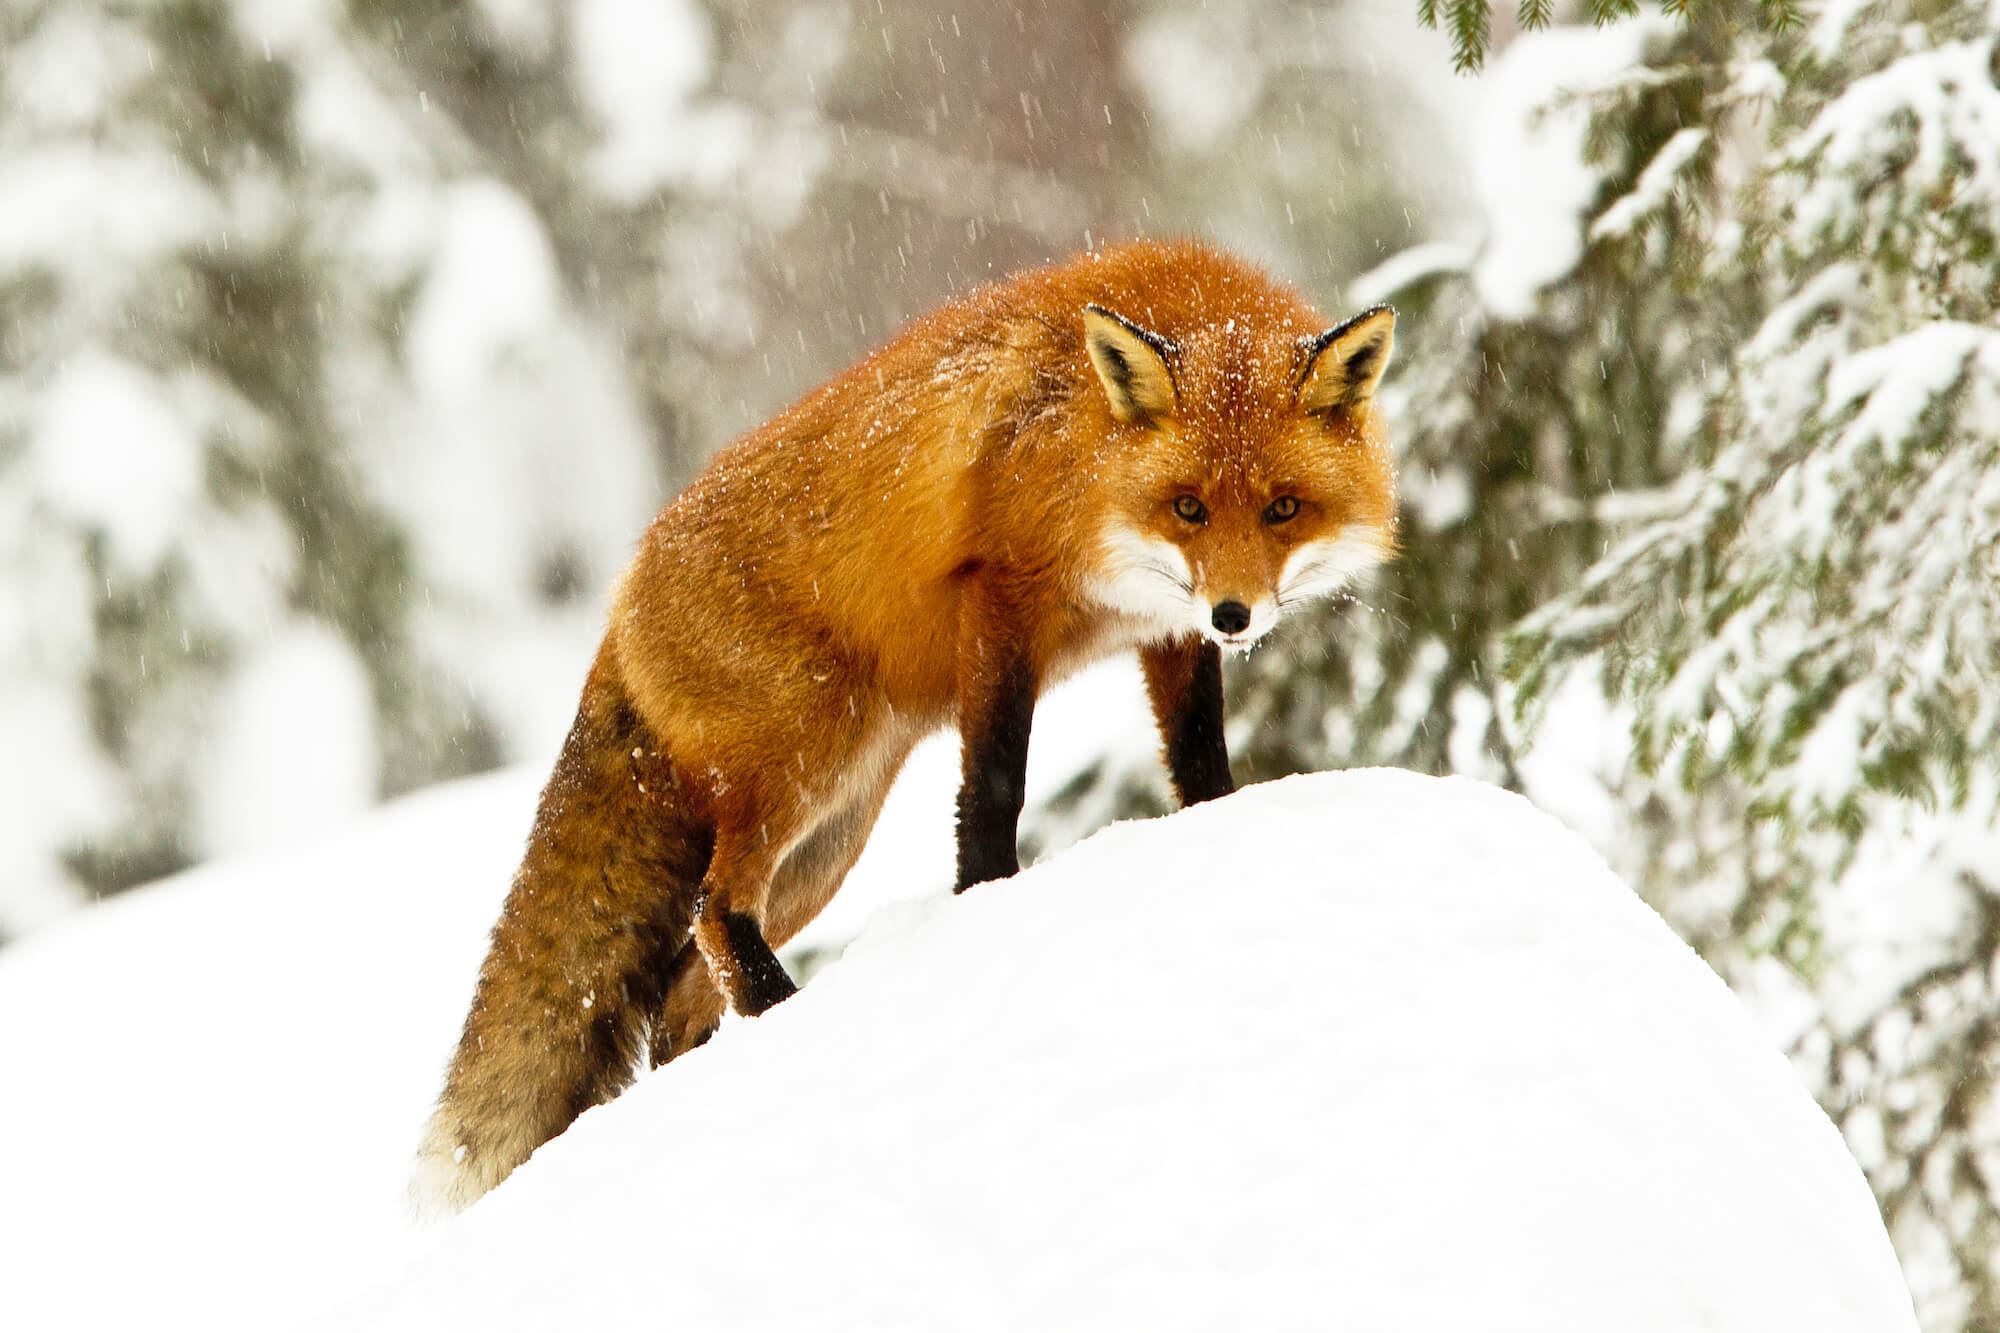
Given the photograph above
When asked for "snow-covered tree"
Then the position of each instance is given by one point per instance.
(1805, 612)
(281, 529)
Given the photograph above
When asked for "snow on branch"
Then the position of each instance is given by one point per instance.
(1908, 156)
(1655, 186)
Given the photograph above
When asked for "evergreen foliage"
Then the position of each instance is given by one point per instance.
(216, 413)
(1736, 466)
(1469, 23)
(1805, 618)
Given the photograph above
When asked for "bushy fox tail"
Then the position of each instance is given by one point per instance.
(598, 911)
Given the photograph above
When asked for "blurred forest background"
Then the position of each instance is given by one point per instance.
(346, 348)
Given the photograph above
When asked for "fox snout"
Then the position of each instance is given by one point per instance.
(1230, 617)
(1235, 621)
(1154, 580)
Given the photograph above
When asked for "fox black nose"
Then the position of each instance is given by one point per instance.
(1231, 617)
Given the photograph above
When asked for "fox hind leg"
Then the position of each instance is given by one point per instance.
(729, 911)
(690, 1007)
(804, 883)
(818, 866)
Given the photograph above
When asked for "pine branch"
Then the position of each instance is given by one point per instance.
(1471, 33)
(1780, 15)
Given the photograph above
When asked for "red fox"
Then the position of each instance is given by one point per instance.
(1154, 447)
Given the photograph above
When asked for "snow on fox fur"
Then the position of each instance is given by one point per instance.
(1022, 483)
(1361, 1050)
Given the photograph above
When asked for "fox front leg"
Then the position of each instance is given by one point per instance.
(1184, 681)
(996, 708)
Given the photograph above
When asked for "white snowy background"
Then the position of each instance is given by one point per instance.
(345, 349)
(1432, 1081)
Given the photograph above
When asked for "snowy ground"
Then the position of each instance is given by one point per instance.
(219, 1080)
(1358, 1050)
(1353, 1050)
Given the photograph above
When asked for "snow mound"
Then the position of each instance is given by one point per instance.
(1363, 1050)
(222, 1076)
(215, 1083)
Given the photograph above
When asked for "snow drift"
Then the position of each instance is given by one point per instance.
(218, 1080)
(1365, 1050)
(214, 1083)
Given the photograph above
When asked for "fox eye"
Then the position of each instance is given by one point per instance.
(1191, 509)
(1280, 509)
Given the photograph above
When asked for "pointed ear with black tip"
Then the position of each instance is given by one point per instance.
(1132, 365)
(1344, 364)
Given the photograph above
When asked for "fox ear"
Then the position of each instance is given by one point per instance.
(1131, 364)
(1344, 364)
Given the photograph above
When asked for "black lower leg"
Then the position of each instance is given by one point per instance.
(995, 779)
(763, 981)
(1197, 755)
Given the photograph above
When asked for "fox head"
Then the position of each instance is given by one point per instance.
(1247, 472)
